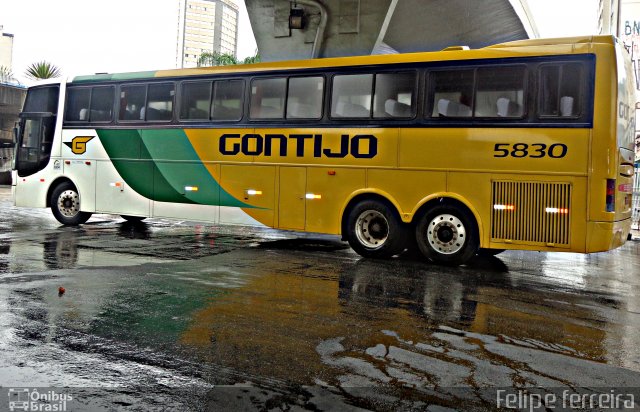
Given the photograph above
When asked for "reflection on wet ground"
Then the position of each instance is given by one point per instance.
(180, 315)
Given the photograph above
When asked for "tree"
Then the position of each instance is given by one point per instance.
(6, 75)
(216, 59)
(42, 70)
(252, 59)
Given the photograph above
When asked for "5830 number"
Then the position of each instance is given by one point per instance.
(534, 150)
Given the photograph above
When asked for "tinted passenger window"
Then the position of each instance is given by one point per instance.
(395, 95)
(101, 104)
(560, 87)
(267, 98)
(77, 107)
(132, 100)
(452, 93)
(351, 95)
(227, 100)
(304, 100)
(196, 101)
(159, 103)
(500, 92)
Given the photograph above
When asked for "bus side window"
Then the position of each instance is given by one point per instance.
(500, 91)
(351, 96)
(227, 100)
(452, 93)
(395, 95)
(159, 103)
(101, 104)
(560, 86)
(267, 98)
(132, 99)
(304, 100)
(77, 106)
(196, 101)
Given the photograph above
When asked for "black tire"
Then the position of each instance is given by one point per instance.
(489, 252)
(133, 219)
(447, 234)
(65, 205)
(374, 230)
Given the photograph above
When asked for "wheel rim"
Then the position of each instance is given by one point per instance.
(446, 234)
(69, 203)
(372, 229)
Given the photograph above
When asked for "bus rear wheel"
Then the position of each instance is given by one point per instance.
(447, 234)
(489, 252)
(65, 205)
(374, 230)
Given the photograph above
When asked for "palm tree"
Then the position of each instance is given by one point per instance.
(216, 59)
(42, 70)
(6, 75)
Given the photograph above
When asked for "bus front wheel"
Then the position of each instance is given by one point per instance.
(133, 219)
(374, 230)
(447, 234)
(65, 205)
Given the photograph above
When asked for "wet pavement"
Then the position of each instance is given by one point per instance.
(173, 315)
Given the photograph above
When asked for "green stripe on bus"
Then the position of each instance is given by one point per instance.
(179, 163)
(173, 166)
(115, 76)
(134, 163)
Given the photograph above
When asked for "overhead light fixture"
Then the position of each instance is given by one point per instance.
(296, 18)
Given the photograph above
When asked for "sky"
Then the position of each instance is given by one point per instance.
(90, 36)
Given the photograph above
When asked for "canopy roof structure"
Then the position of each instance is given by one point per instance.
(332, 28)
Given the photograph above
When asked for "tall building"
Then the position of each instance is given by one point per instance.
(206, 26)
(6, 49)
(608, 16)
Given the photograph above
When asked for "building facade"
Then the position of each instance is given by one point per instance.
(206, 26)
(6, 49)
(622, 19)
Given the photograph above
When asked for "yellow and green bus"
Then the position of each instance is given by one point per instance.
(521, 145)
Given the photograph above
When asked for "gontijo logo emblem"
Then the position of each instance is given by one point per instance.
(79, 144)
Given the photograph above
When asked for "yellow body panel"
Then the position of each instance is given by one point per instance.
(324, 214)
(472, 149)
(239, 180)
(603, 236)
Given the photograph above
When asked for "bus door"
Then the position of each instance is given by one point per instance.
(34, 135)
(34, 142)
(292, 202)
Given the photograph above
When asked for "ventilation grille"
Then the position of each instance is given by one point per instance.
(531, 212)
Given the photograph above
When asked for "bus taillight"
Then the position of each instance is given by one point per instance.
(611, 195)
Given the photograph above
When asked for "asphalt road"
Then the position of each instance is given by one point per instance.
(184, 316)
